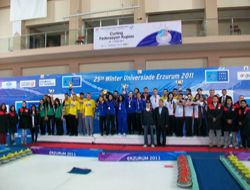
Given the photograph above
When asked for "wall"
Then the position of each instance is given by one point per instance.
(176, 63)
(169, 5)
(45, 70)
(232, 61)
(6, 73)
(5, 25)
(232, 3)
(101, 67)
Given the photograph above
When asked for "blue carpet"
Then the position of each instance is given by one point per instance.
(211, 173)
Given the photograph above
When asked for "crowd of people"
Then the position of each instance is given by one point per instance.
(174, 113)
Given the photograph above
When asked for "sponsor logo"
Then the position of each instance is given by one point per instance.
(27, 83)
(47, 82)
(217, 76)
(244, 75)
(75, 80)
(8, 84)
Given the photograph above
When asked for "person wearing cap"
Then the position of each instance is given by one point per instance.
(214, 117)
(161, 123)
(244, 123)
(148, 124)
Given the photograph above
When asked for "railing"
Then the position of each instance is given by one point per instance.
(190, 28)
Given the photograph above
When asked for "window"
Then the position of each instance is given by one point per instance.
(112, 21)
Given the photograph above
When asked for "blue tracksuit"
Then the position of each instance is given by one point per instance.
(102, 109)
(140, 105)
(122, 118)
(130, 105)
(110, 107)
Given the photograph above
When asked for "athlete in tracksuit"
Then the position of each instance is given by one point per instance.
(122, 116)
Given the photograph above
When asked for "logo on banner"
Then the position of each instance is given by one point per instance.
(27, 83)
(75, 81)
(217, 76)
(243, 75)
(8, 85)
(47, 82)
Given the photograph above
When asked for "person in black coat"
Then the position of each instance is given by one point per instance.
(148, 124)
(224, 97)
(161, 122)
(24, 121)
(229, 118)
(34, 123)
(214, 117)
(13, 120)
(4, 124)
(244, 123)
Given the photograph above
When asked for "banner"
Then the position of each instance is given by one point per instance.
(27, 9)
(14, 90)
(138, 35)
(139, 156)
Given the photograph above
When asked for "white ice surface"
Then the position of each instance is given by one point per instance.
(41, 172)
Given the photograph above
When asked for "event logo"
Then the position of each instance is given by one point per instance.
(217, 76)
(75, 81)
(27, 83)
(243, 75)
(163, 37)
(8, 85)
(47, 82)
